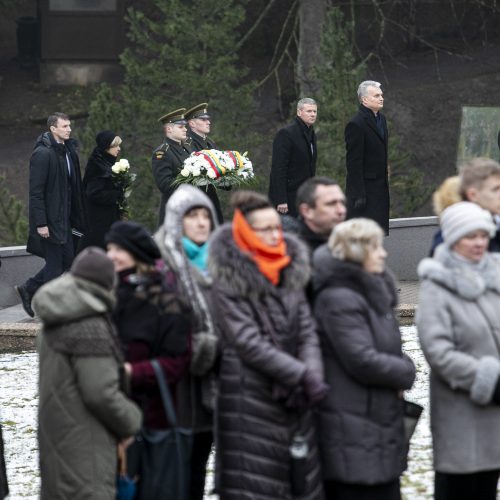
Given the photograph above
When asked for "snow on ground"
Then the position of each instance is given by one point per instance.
(18, 409)
(18, 412)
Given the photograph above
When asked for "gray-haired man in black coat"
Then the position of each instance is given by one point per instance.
(294, 158)
(366, 139)
(56, 209)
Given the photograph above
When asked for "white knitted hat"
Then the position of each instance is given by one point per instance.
(463, 218)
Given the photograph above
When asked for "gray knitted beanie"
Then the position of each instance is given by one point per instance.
(460, 219)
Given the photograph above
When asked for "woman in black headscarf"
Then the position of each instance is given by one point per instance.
(102, 194)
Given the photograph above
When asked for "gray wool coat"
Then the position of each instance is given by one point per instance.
(268, 339)
(458, 324)
(361, 431)
(82, 410)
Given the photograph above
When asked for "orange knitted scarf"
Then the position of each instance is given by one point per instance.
(269, 259)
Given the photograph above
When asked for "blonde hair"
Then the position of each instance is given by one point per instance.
(475, 172)
(352, 240)
(116, 142)
(448, 193)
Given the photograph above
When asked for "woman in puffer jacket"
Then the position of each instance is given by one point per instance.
(152, 323)
(83, 410)
(271, 373)
(361, 431)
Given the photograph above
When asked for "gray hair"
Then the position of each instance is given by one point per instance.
(351, 240)
(304, 101)
(363, 87)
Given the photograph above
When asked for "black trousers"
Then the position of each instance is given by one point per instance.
(479, 485)
(58, 259)
(202, 445)
(335, 490)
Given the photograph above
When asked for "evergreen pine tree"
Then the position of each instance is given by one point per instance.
(180, 54)
(13, 222)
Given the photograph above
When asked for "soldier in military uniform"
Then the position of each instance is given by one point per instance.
(168, 158)
(198, 129)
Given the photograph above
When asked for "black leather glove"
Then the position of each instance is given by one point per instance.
(315, 389)
(360, 203)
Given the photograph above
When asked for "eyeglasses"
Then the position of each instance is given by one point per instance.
(268, 229)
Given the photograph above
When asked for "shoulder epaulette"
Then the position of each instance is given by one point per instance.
(160, 151)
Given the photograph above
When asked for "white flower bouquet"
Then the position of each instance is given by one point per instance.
(123, 179)
(221, 169)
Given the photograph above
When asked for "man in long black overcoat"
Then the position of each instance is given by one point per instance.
(294, 158)
(56, 208)
(366, 138)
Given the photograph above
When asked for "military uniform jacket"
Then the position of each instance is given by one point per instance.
(197, 143)
(167, 162)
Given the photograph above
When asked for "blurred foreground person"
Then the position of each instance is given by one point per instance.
(102, 193)
(480, 184)
(457, 320)
(83, 411)
(321, 206)
(271, 373)
(190, 218)
(361, 432)
(4, 485)
(445, 195)
(152, 324)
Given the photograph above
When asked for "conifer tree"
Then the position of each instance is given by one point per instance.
(180, 54)
(13, 223)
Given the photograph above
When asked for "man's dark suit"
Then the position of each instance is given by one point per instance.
(294, 161)
(167, 162)
(367, 183)
(197, 143)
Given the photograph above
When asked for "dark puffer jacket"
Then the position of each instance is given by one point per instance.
(268, 339)
(55, 199)
(361, 420)
(152, 324)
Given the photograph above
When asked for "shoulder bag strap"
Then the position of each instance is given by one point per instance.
(166, 398)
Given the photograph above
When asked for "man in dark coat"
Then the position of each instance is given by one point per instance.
(321, 206)
(294, 157)
(366, 138)
(197, 138)
(168, 158)
(56, 209)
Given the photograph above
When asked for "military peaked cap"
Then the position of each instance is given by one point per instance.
(176, 117)
(198, 111)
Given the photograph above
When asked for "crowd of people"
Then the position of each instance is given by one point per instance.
(274, 336)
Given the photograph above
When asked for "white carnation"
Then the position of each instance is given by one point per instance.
(211, 174)
(185, 172)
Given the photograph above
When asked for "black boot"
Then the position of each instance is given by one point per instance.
(25, 299)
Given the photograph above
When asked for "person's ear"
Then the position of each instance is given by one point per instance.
(305, 210)
(471, 194)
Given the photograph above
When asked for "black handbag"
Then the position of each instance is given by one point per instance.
(411, 416)
(162, 458)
